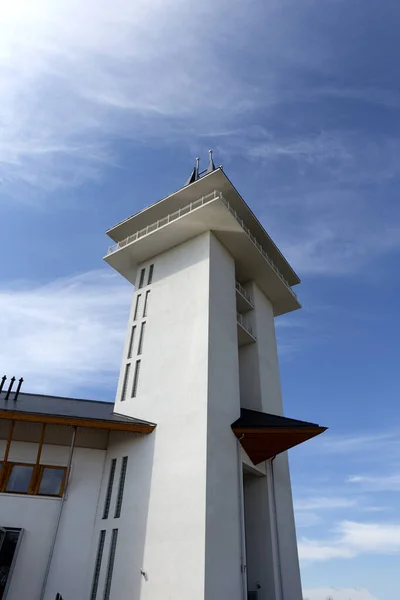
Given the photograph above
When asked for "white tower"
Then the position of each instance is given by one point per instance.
(207, 514)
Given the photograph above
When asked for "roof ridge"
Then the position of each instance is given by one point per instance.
(62, 397)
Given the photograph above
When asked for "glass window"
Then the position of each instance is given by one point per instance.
(136, 379)
(125, 383)
(141, 338)
(146, 302)
(8, 551)
(132, 339)
(150, 279)
(51, 481)
(141, 280)
(19, 479)
(135, 316)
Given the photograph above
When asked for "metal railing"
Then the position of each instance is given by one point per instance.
(243, 292)
(215, 195)
(245, 324)
(257, 244)
(165, 221)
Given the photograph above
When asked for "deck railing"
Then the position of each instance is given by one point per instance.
(243, 292)
(245, 324)
(188, 209)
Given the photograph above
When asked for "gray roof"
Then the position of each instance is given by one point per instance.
(254, 419)
(57, 406)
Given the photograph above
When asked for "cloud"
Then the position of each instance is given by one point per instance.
(337, 594)
(376, 483)
(359, 443)
(66, 336)
(77, 73)
(323, 503)
(351, 539)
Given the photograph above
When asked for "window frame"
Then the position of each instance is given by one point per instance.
(39, 481)
(142, 278)
(35, 481)
(150, 275)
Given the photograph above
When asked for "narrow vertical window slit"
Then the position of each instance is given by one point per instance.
(121, 487)
(141, 280)
(136, 379)
(135, 316)
(97, 566)
(109, 488)
(110, 566)
(146, 302)
(125, 383)
(150, 277)
(141, 338)
(132, 339)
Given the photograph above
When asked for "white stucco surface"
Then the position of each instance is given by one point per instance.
(38, 516)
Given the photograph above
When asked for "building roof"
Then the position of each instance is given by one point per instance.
(264, 435)
(40, 408)
(216, 180)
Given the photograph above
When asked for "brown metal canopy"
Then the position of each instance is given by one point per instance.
(263, 435)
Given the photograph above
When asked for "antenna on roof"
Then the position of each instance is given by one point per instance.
(20, 380)
(211, 166)
(196, 173)
(10, 387)
(12, 380)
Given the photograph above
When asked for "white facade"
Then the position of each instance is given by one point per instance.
(183, 512)
(193, 380)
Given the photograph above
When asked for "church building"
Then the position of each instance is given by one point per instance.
(180, 489)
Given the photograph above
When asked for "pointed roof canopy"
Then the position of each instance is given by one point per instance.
(263, 435)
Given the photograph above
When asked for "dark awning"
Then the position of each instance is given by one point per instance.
(263, 435)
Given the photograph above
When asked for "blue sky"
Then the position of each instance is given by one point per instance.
(103, 107)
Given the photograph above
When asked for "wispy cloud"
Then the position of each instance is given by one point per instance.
(351, 539)
(76, 73)
(376, 483)
(66, 336)
(337, 594)
(360, 443)
(324, 503)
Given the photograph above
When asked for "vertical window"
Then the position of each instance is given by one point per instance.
(136, 379)
(52, 481)
(19, 478)
(141, 280)
(135, 316)
(150, 277)
(125, 384)
(109, 488)
(121, 487)
(110, 566)
(132, 338)
(10, 539)
(141, 338)
(146, 301)
(97, 566)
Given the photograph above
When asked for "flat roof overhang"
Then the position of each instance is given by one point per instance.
(73, 421)
(216, 217)
(217, 180)
(263, 435)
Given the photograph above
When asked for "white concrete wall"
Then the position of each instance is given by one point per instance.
(291, 581)
(223, 564)
(172, 392)
(38, 517)
(261, 390)
(259, 540)
(132, 523)
(269, 379)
